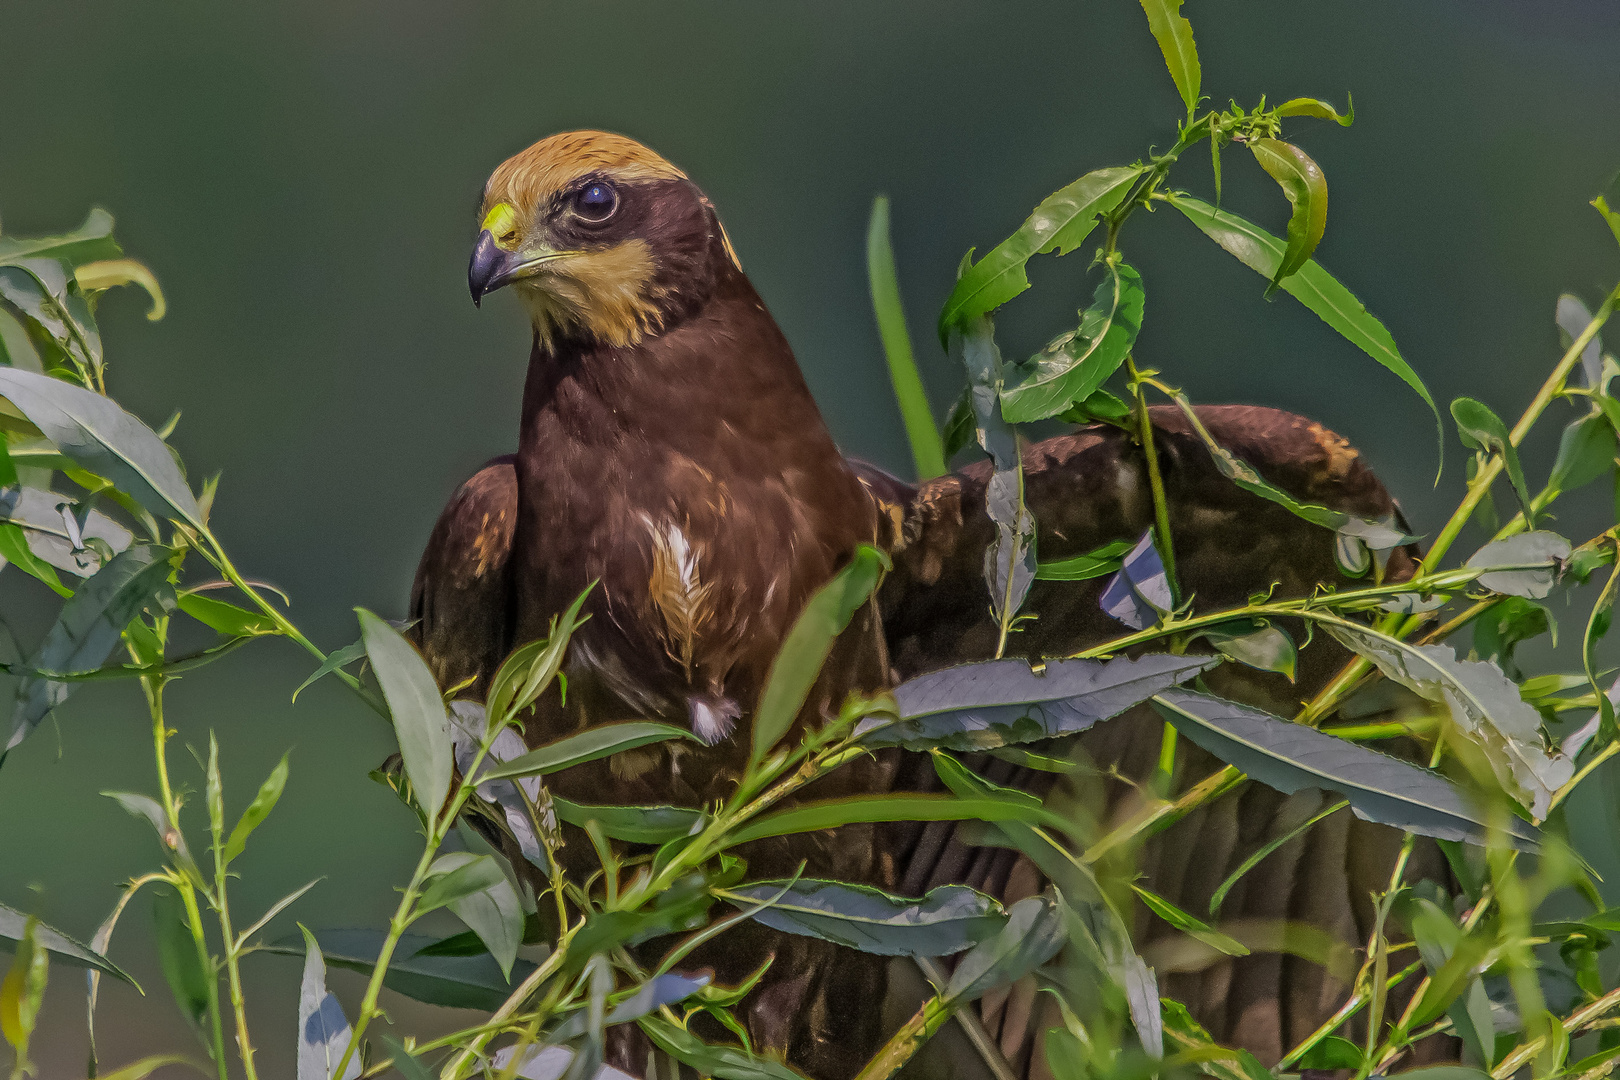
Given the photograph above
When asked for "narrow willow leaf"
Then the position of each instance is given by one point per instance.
(420, 720)
(810, 642)
(92, 240)
(1484, 704)
(1310, 285)
(172, 839)
(591, 744)
(1542, 554)
(177, 951)
(456, 875)
(1009, 561)
(15, 348)
(404, 1062)
(1003, 702)
(13, 925)
(1586, 451)
(225, 617)
(146, 1066)
(927, 450)
(39, 288)
(1302, 182)
(1289, 757)
(1318, 108)
(720, 1062)
(831, 813)
(946, 921)
(530, 669)
(1175, 37)
(1254, 642)
(495, 914)
(637, 824)
(656, 993)
(323, 1030)
(88, 628)
(106, 440)
(110, 273)
(1482, 429)
(1076, 364)
(265, 801)
(16, 550)
(1187, 924)
(1093, 564)
(1573, 317)
(456, 982)
(1453, 987)
(1219, 896)
(1139, 594)
(44, 517)
(960, 427)
(337, 658)
(1033, 935)
(1059, 224)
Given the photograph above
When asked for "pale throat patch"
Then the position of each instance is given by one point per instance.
(608, 293)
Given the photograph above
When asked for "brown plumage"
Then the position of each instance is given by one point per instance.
(670, 452)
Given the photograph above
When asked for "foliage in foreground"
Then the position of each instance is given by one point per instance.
(94, 496)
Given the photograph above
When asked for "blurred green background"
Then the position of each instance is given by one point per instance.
(302, 178)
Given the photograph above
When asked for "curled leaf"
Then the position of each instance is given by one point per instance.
(110, 273)
(1302, 182)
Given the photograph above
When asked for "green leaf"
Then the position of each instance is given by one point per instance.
(1175, 37)
(14, 924)
(336, 659)
(1317, 108)
(88, 628)
(810, 642)
(946, 921)
(495, 914)
(1059, 224)
(1573, 317)
(403, 1061)
(42, 290)
(1485, 706)
(1076, 364)
(1259, 856)
(1482, 429)
(1452, 959)
(1184, 922)
(1332, 1053)
(1586, 451)
(720, 1062)
(14, 548)
(831, 813)
(1535, 558)
(996, 703)
(456, 982)
(420, 720)
(323, 1031)
(633, 1004)
(927, 450)
(1093, 564)
(15, 348)
(1288, 757)
(591, 744)
(92, 240)
(104, 439)
(1260, 645)
(637, 824)
(960, 426)
(1302, 182)
(44, 516)
(529, 670)
(1310, 285)
(456, 875)
(227, 618)
(257, 811)
(1033, 935)
(190, 982)
(1101, 405)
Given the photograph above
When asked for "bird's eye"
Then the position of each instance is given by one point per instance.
(596, 202)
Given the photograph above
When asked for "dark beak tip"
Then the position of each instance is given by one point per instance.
(485, 268)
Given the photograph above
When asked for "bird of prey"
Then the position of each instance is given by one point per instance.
(671, 452)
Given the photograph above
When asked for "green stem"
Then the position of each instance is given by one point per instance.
(905, 1043)
(1161, 505)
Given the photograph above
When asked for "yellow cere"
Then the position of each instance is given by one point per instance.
(501, 223)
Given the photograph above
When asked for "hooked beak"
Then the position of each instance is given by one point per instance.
(491, 267)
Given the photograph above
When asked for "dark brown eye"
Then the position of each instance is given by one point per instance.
(596, 202)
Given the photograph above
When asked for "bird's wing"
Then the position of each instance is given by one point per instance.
(461, 599)
(1085, 490)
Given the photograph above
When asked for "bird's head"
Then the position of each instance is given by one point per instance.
(604, 240)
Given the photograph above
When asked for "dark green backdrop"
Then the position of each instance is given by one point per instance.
(302, 177)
